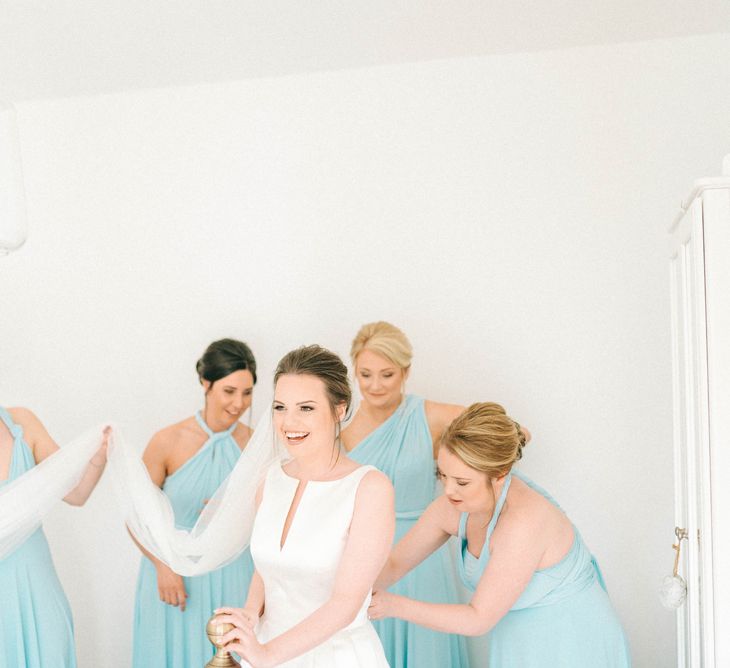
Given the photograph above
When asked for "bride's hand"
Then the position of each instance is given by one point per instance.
(241, 618)
(242, 640)
(382, 605)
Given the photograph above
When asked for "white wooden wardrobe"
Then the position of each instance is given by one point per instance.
(700, 297)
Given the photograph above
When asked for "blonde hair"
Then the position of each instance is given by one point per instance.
(385, 339)
(485, 438)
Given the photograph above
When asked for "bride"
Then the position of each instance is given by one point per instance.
(322, 533)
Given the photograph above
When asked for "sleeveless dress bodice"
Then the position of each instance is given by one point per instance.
(36, 629)
(165, 636)
(563, 616)
(402, 448)
(199, 477)
(300, 576)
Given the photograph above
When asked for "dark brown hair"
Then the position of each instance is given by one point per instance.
(323, 364)
(221, 358)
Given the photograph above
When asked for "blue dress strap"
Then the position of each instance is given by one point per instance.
(5, 416)
(497, 510)
(15, 429)
(209, 431)
(480, 563)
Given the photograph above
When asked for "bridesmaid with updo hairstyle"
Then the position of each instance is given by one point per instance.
(397, 433)
(537, 591)
(189, 460)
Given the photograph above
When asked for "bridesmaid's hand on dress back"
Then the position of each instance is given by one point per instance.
(382, 605)
(171, 586)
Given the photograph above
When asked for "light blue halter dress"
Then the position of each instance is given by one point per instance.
(402, 448)
(36, 630)
(164, 636)
(563, 617)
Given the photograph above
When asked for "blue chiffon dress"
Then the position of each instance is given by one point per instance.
(164, 636)
(402, 448)
(36, 630)
(562, 618)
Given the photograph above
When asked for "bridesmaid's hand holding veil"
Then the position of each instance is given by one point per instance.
(241, 639)
(93, 472)
(100, 456)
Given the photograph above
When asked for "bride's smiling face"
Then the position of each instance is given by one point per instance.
(303, 416)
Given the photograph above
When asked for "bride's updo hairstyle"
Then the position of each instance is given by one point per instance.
(485, 438)
(385, 339)
(323, 364)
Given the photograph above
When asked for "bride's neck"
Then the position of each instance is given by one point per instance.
(317, 466)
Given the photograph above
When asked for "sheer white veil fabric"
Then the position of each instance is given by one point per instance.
(223, 529)
(25, 501)
(221, 533)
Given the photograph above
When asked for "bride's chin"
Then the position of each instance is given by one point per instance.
(308, 448)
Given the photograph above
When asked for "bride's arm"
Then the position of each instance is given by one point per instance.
(248, 616)
(255, 600)
(368, 544)
(253, 608)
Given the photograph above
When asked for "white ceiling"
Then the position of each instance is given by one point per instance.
(54, 48)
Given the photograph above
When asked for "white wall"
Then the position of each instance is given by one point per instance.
(509, 213)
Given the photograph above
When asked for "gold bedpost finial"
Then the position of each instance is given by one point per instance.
(223, 658)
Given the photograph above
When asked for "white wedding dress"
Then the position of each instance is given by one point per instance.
(299, 578)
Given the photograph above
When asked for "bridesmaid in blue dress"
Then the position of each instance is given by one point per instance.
(36, 629)
(189, 461)
(538, 592)
(396, 433)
